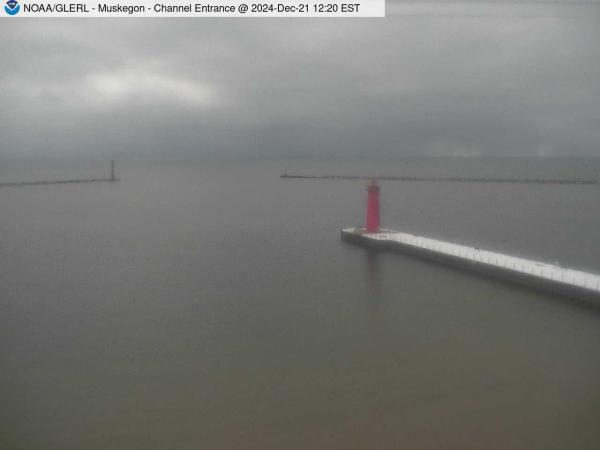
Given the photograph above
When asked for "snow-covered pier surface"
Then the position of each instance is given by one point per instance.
(551, 277)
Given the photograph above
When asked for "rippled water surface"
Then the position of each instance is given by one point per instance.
(213, 306)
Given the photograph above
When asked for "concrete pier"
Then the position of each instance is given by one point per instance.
(548, 277)
(440, 179)
(41, 183)
(113, 178)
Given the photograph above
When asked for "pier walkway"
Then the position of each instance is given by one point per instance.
(523, 268)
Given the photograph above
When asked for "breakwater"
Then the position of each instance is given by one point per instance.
(38, 183)
(111, 178)
(548, 277)
(441, 179)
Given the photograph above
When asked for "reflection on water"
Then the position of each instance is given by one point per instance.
(374, 278)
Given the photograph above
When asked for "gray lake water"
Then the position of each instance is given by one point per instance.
(213, 306)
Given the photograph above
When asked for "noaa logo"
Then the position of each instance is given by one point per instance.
(12, 7)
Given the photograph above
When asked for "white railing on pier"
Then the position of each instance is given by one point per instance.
(477, 256)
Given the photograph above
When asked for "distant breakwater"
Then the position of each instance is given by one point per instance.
(109, 179)
(441, 179)
(47, 182)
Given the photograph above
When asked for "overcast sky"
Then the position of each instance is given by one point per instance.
(442, 79)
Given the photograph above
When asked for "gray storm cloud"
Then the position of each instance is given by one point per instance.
(448, 79)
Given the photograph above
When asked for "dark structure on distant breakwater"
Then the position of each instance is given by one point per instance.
(441, 179)
(547, 277)
(112, 178)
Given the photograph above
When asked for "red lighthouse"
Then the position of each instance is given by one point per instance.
(373, 207)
